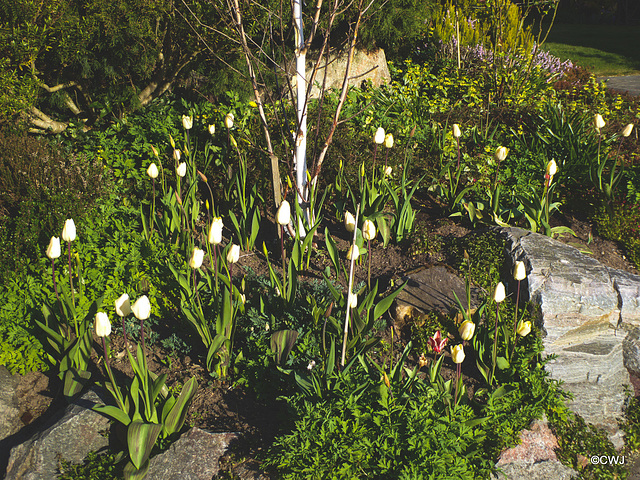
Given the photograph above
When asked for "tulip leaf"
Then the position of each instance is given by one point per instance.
(385, 304)
(113, 412)
(502, 363)
(141, 437)
(282, 342)
(130, 471)
(175, 419)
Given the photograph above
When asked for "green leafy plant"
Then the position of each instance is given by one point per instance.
(146, 408)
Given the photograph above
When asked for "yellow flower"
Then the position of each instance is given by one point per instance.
(599, 121)
(388, 140)
(524, 328)
(519, 271)
(467, 329)
(457, 353)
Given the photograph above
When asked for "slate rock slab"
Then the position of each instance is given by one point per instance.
(194, 456)
(586, 312)
(9, 409)
(72, 434)
(431, 289)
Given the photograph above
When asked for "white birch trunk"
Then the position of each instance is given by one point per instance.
(301, 91)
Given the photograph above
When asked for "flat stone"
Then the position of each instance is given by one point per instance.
(537, 444)
(72, 434)
(9, 409)
(432, 289)
(546, 470)
(194, 456)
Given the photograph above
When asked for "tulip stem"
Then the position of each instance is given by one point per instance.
(73, 296)
(458, 374)
(458, 145)
(515, 323)
(369, 266)
(124, 333)
(215, 265)
(153, 204)
(495, 346)
(283, 256)
(351, 265)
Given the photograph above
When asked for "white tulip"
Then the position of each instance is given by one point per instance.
(53, 250)
(181, 170)
(627, 130)
(388, 140)
(519, 271)
(215, 232)
(233, 255)
(456, 130)
(379, 137)
(499, 294)
(212, 130)
(501, 153)
(228, 120)
(69, 231)
(123, 305)
(152, 171)
(599, 121)
(349, 222)
(368, 230)
(353, 253)
(102, 325)
(283, 216)
(142, 308)
(187, 122)
(196, 258)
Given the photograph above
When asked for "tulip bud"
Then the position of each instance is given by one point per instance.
(123, 305)
(142, 308)
(467, 329)
(212, 130)
(499, 294)
(53, 250)
(352, 301)
(233, 142)
(501, 153)
(388, 140)
(152, 171)
(215, 232)
(456, 130)
(233, 255)
(196, 258)
(388, 171)
(187, 122)
(228, 120)
(181, 171)
(524, 328)
(627, 130)
(353, 253)
(368, 230)
(155, 152)
(283, 216)
(552, 168)
(457, 353)
(362, 169)
(69, 230)
(243, 298)
(599, 121)
(519, 271)
(349, 222)
(172, 142)
(379, 137)
(102, 325)
(177, 155)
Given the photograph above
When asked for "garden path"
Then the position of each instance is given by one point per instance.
(626, 83)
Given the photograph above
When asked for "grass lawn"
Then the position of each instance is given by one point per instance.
(605, 50)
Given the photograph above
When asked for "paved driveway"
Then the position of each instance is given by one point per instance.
(626, 83)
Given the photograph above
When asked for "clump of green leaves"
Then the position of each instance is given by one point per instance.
(95, 466)
(622, 226)
(486, 252)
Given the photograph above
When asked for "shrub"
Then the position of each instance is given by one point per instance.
(40, 186)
